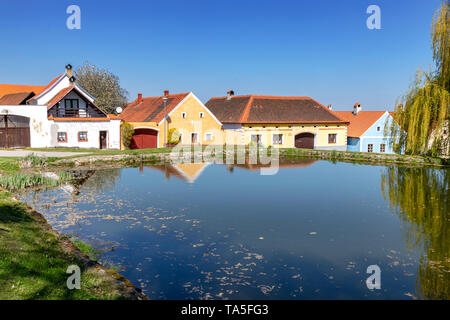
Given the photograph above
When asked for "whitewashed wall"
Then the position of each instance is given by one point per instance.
(39, 125)
(92, 128)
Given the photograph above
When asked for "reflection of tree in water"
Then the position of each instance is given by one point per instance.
(420, 196)
(99, 180)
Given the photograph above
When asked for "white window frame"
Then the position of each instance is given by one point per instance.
(257, 134)
(208, 133)
(282, 139)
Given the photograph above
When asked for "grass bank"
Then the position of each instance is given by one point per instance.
(34, 259)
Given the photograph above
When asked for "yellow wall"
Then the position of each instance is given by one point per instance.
(289, 132)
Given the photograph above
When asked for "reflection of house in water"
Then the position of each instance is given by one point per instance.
(188, 172)
(283, 164)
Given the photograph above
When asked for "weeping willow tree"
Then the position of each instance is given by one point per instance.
(425, 108)
(421, 198)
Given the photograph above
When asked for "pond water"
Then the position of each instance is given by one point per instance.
(210, 231)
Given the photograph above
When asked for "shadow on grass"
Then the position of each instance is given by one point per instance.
(11, 212)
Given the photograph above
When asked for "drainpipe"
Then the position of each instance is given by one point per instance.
(165, 119)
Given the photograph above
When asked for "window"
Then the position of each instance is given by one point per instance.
(332, 138)
(208, 136)
(378, 129)
(62, 136)
(202, 114)
(194, 137)
(256, 138)
(382, 147)
(82, 136)
(370, 147)
(180, 140)
(277, 139)
(183, 115)
(71, 103)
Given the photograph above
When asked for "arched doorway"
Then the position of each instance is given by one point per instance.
(14, 131)
(304, 140)
(144, 138)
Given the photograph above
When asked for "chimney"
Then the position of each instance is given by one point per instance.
(356, 108)
(69, 70)
(330, 107)
(166, 93)
(139, 99)
(230, 94)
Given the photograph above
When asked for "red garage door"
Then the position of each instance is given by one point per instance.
(144, 139)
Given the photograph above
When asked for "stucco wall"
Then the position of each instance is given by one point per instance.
(39, 126)
(375, 136)
(92, 128)
(289, 132)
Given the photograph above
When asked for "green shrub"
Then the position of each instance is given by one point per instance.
(126, 131)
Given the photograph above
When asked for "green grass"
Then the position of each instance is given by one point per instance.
(33, 262)
(9, 165)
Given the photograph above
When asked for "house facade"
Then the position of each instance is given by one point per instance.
(284, 122)
(61, 114)
(153, 118)
(366, 130)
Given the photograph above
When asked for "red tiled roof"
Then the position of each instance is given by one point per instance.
(58, 97)
(16, 98)
(16, 88)
(151, 109)
(270, 109)
(361, 122)
(78, 119)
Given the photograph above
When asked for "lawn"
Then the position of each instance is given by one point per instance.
(34, 260)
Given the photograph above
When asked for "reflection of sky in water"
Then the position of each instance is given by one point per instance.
(306, 232)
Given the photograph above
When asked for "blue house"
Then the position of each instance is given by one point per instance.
(365, 132)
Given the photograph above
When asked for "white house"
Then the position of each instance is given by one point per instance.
(61, 114)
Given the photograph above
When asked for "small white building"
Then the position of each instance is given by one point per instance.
(61, 114)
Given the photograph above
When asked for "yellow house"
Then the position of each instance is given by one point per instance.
(285, 122)
(153, 118)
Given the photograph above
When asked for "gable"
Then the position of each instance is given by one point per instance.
(69, 100)
(192, 106)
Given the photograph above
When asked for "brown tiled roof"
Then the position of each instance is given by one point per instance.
(151, 109)
(270, 109)
(361, 122)
(14, 99)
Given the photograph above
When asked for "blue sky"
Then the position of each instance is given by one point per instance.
(319, 48)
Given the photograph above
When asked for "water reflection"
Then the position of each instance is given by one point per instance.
(421, 198)
(310, 231)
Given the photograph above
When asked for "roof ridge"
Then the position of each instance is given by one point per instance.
(244, 116)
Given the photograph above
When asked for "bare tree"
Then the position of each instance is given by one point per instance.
(103, 85)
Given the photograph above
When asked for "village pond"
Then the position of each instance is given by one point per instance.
(211, 231)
